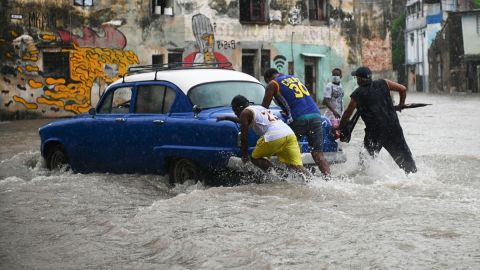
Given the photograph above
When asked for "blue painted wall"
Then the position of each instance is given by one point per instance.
(324, 64)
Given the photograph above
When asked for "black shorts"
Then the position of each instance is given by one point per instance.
(312, 128)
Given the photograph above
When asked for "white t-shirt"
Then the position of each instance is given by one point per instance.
(268, 125)
(335, 94)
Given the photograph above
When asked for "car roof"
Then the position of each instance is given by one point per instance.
(185, 79)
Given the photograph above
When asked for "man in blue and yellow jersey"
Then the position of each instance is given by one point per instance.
(302, 111)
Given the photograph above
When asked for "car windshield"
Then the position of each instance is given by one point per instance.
(218, 94)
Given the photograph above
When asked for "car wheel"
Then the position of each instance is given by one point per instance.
(182, 170)
(56, 158)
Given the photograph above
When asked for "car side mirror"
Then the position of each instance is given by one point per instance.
(196, 110)
(92, 112)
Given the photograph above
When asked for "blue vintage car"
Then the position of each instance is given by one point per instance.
(162, 122)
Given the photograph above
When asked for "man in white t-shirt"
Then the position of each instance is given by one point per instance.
(276, 137)
(333, 97)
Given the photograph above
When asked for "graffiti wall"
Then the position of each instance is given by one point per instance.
(55, 72)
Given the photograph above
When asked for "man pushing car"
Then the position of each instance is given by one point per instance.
(276, 137)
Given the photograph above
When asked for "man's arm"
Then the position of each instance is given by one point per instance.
(347, 113)
(246, 117)
(270, 91)
(229, 118)
(402, 91)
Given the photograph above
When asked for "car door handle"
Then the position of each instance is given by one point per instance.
(158, 122)
(120, 120)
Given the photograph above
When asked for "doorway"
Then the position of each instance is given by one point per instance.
(311, 75)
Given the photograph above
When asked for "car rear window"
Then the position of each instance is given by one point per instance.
(218, 94)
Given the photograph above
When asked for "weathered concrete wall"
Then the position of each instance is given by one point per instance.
(98, 44)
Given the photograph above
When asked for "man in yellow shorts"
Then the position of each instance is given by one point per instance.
(276, 137)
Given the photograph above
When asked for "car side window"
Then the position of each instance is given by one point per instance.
(117, 101)
(154, 99)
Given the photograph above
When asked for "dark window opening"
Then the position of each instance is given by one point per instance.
(56, 64)
(162, 7)
(83, 3)
(317, 10)
(157, 59)
(264, 62)
(248, 61)
(311, 76)
(175, 57)
(252, 11)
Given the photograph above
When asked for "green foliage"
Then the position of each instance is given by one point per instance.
(398, 42)
(476, 3)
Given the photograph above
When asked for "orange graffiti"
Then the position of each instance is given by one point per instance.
(34, 84)
(58, 103)
(13, 34)
(30, 58)
(48, 36)
(31, 68)
(51, 81)
(28, 105)
(86, 66)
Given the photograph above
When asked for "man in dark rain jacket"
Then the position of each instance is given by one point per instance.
(383, 130)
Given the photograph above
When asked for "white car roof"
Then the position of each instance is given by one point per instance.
(185, 79)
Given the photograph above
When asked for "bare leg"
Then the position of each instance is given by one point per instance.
(321, 162)
(262, 163)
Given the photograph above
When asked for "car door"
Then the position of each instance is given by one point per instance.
(147, 126)
(104, 137)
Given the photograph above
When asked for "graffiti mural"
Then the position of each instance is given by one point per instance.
(58, 80)
(112, 38)
(203, 32)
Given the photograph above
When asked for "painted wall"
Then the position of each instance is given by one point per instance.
(96, 56)
(103, 40)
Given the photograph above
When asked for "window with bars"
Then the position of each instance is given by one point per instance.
(56, 64)
(317, 10)
(253, 11)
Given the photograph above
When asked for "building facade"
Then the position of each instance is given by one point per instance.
(57, 57)
(424, 19)
(454, 56)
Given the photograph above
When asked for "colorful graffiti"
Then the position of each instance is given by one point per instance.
(87, 65)
(203, 32)
(112, 38)
(92, 59)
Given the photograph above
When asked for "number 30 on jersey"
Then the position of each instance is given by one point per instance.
(296, 86)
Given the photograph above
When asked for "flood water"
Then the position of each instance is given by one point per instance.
(364, 218)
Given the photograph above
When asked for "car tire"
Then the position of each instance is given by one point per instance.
(183, 169)
(56, 158)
